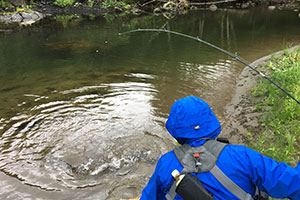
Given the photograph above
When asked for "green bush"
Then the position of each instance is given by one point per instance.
(91, 3)
(64, 3)
(5, 4)
(281, 114)
(113, 4)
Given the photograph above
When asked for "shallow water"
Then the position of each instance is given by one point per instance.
(82, 109)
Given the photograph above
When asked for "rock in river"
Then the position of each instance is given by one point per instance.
(25, 18)
(271, 7)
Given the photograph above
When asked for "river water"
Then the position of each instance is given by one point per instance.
(83, 109)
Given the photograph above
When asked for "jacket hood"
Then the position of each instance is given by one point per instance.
(190, 119)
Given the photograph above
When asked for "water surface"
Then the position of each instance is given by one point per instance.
(82, 109)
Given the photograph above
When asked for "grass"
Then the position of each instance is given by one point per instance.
(281, 115)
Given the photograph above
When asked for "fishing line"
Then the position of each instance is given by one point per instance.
(217, 48)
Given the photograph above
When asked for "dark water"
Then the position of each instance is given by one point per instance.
(82, 109)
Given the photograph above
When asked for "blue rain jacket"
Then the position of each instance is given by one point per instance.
(190, 120)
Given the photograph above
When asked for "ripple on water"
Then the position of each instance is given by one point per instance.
(91, 138)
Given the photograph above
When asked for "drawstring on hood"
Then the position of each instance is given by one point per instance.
(190, 119)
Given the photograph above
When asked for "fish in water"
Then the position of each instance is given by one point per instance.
(57, 164)
(60, 165)
(93, 167)
(100, 164)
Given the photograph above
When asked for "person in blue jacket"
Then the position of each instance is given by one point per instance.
(192, 121)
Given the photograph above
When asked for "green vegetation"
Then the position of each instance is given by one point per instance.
(281, 114)
(91, 3)
(5, 4)
(106, 4)
(64, 3)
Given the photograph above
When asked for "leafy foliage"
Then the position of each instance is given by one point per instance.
(113, 4)
(64, 3)
(5, 4)
(281, 114)
(91, 3)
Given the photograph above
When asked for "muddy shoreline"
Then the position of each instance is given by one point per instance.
(241, 114)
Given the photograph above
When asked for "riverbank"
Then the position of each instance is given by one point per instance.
(26, 13)
(246, 122)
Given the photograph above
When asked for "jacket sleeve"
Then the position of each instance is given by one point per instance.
(153, 190)
(279, 180)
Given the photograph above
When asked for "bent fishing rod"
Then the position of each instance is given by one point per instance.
(217, 48)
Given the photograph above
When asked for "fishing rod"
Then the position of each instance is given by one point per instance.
(217, 48)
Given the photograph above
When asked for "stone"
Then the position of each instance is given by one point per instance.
(25, 18)
(5, 18)
(41, 15)
(30, 18)
(16, 18)
(213, 7)
(26, 15)
(27, 21)
(35, 17)
(271, 7)
(245, 5)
